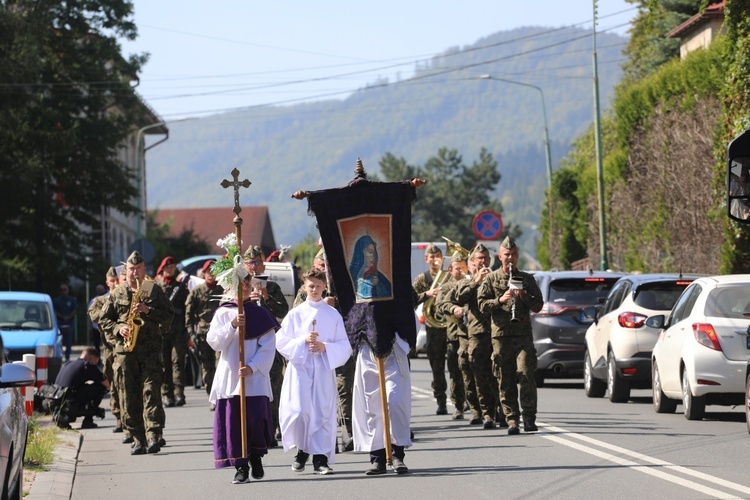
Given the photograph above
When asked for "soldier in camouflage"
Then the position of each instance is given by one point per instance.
(174, 340)
(108, 354)
(513, 353)
(200, 308)
(272, 298)
(479, 342)
(437, 338)
(141, 368)
(462, 387)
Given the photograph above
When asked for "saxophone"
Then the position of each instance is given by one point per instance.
(135, 322)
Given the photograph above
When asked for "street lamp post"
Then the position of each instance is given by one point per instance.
(544, 114)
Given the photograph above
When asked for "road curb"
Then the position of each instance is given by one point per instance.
(57, 481)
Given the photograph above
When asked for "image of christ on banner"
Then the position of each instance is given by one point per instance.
(366, 240)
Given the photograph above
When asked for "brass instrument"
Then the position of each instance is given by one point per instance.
(135, 322)
(514, 283)
(432, 316)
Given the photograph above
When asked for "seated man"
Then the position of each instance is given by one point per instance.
(85, 386)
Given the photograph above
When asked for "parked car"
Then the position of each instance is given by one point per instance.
(13, 425)
(703, 349)
(27, 320)
(619, 343)
(559, 328)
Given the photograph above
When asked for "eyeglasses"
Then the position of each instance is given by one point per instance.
(253, 263)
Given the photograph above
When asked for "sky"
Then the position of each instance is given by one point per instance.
(212, 57)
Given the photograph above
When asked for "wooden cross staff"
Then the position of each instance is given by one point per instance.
(237, 184)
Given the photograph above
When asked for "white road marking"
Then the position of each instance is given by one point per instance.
(644, 468)
(419, 393)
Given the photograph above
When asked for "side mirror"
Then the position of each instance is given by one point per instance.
(16, 375)
(738, 178)
(656, 322)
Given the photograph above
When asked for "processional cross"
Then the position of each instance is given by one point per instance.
(237, 184)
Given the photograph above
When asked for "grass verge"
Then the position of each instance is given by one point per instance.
(40, 446)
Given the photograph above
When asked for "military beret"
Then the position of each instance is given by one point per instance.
(253, 252)
(207, 265)
(457, 257)
(123, 270)
(135, 258)
(508, 243)
(432, 248)
(480, 249)
(112, 272)
(321, 255)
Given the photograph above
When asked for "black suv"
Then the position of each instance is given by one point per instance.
(560, 327)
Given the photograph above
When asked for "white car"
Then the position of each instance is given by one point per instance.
(421, 333)
(619, 343)
(703, 350)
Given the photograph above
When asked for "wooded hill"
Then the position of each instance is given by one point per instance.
(443, 104)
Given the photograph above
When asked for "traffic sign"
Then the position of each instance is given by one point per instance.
(487, 225)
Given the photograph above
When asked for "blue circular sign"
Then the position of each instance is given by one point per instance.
(487, 225)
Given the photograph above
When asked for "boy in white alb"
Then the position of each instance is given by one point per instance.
(313, 339)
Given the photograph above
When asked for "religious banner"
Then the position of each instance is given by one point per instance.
(365, 228)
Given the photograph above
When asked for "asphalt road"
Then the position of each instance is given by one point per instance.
(586, 448)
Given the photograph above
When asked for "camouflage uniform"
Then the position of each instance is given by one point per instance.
(513, 352)
(200, 308)
(480, 346)
(141, 369)
(437, 344)
(108, 355)
(277, 304)
(174, 343)
(462, 386)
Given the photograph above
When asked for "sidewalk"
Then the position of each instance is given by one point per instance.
(57, 481)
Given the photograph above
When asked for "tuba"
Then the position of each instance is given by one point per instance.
(135, 322)
(432, 316)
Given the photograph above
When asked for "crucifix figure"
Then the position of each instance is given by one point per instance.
(237, 184)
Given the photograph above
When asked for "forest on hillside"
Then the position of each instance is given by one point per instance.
(443, 104)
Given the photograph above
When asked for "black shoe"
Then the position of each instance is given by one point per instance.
(100, 412)
(153, 446)
(529, 424)
(179, 401)
(118, 426)
(500, 420)
(324, 470)
(299, 461)
(441, 409)
(349, 446)
(488, 423)
(513, 428)
(128, 440)
(458, 415)
(241, 476)
(167, 402)
(476, 419)
(398, 465)
(256, 467)
(88, 423)
(273, 444)
(162, 441)
(138, 449)
(376, 469)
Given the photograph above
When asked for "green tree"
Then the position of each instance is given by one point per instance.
(303, 252)
(649, 48)
(453, 195)
(66, 105)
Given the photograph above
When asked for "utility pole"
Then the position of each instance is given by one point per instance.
(599, 169)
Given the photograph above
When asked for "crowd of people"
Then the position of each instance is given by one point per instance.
(301, 378)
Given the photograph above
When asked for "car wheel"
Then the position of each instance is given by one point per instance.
(747, 402)
(619, 389)
(593, 387)
(695, 407)
(16, 494)
(662, 404)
